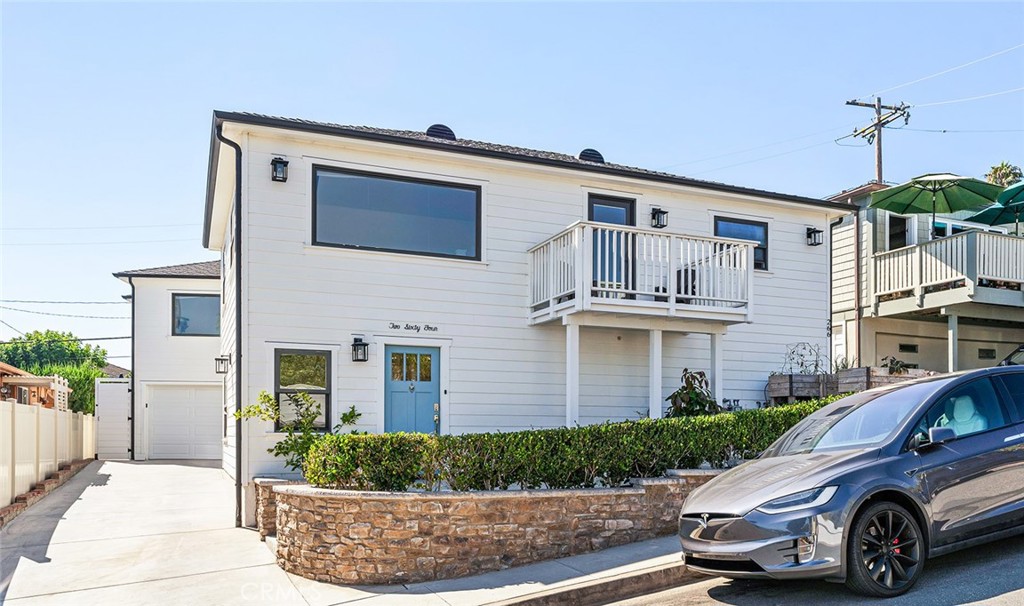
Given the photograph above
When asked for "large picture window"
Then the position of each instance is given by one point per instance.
(380, 212)
(195, 315)
(302, 370)
(743, 229)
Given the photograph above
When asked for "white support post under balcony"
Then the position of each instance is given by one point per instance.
(654, 375)
(952, 342)
(717, 380)
(572, 375)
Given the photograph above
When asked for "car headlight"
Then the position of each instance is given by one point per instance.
(800, 500)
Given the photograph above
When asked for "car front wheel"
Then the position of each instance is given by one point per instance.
(885, 554)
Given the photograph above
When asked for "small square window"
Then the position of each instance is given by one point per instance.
(986, 354)
(908, 348)
(195, 315)
(302, 371)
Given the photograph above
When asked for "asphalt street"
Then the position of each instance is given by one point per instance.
(990, 574)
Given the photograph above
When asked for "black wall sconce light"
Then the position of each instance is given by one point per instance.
(815, 237)
(659, 218)
(360, 350)
(220, 364)
(279, 170)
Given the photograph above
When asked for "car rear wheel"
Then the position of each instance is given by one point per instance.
(885, 551)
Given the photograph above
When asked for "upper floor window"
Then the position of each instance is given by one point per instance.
(947, 227)
(398, 214)
(744, 229)
(195, 315)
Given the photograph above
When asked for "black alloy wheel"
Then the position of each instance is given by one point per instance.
(884, 551)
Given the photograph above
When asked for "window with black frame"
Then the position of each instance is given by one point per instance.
(372, 211)
(745, 229)
(306, 371)
(195, 315)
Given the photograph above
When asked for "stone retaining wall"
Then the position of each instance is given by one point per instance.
(353, 537)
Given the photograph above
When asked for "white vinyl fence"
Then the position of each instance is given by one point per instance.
(35, 441)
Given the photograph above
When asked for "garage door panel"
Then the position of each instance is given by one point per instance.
(185, 422)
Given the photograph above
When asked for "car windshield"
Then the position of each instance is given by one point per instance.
(1015, 359)
(859, 421)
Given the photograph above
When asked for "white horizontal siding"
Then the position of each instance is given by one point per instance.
(504, 373)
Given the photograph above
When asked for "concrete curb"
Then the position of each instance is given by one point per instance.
(610, 589)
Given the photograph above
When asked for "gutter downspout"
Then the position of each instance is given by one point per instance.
(857, 280)
(131, 384)
(831, 290)
(238, 321)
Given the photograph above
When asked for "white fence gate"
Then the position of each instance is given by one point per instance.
(113, 418)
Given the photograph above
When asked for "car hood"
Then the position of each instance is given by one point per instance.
(744, 488)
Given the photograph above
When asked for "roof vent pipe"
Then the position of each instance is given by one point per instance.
(440, 131)
(591, 155)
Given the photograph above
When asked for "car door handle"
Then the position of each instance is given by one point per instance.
(1013, 438)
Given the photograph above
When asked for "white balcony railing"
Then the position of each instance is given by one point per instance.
(966, 260)
(590, 264)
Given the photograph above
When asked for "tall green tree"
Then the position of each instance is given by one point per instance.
(1004, 174)
(51, 347)
(51, 353)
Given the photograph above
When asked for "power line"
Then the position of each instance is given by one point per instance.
(785, 153)
(750, 149)
(945, 71)
(104, 227)
(46, 313)
(64, 302)
(965, 99)
(949, 130)
(63, 340)
(95, 243)
(12, 328)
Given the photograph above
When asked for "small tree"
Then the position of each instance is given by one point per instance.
(51, 347)
(1004, 174)
(301, 432)
(693, 397)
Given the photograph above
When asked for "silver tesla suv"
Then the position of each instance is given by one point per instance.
(867, 488)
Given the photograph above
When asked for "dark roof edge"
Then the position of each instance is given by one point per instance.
(211, 179)
(220, 116)
(129, 274)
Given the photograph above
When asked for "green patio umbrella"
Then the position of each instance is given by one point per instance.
(936, 193)
(1008, 208)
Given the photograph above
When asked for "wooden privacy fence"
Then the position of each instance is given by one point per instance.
(36, 441)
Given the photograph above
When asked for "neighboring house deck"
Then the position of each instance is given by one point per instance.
(950, 302)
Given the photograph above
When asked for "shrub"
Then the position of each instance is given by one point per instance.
(81, 379)
(693, 397)
(579, 457)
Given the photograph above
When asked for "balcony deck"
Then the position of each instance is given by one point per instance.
(971, 267)
(627, 272)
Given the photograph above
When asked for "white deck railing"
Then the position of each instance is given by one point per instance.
(591, 263)
(36, 441)
(968, 257)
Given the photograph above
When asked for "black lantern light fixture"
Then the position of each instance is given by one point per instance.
(279, 170)
(360, 350)
(815, 237)
(220, 364)
(5, 391)
(659, 218)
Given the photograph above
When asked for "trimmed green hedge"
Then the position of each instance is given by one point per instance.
(578, 457)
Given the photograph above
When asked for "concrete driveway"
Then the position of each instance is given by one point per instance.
(149, 533)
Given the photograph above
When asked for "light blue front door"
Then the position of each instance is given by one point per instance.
(412, 389)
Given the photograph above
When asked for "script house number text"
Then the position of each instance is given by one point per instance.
(409, 327)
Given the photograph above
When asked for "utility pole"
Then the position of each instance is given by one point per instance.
(873, 132)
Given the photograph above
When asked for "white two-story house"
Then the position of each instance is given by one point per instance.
(952, 301)
(440, 284)
(176, 397)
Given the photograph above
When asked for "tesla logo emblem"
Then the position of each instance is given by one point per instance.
(704, 520)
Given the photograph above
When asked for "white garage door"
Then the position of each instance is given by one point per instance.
(185, 422)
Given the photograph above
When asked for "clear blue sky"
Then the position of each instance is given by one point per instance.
(106, 107)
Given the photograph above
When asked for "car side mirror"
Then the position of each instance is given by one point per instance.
(941, 435)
